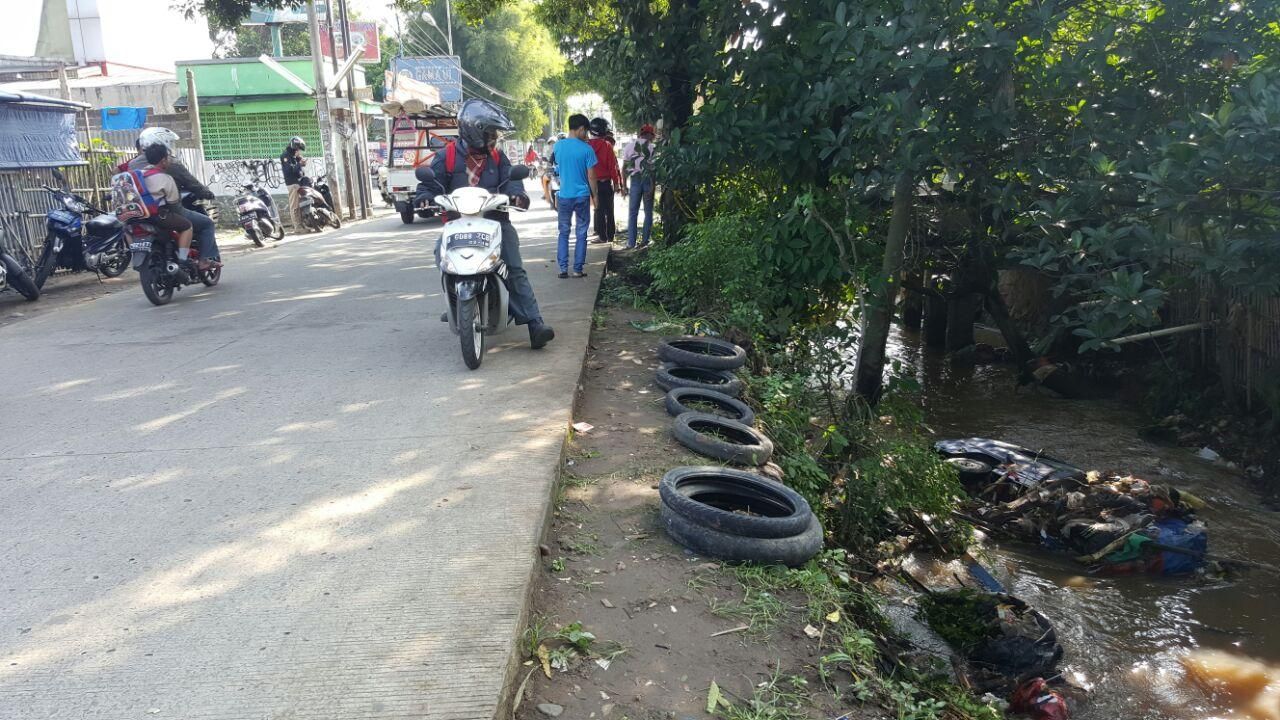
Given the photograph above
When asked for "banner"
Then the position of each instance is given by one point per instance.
(444, 72)
(363, 35)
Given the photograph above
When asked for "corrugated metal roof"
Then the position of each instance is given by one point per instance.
(40, 100)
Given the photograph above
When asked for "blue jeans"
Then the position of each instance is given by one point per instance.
(202, 232)
(641, 190)
(569, 209)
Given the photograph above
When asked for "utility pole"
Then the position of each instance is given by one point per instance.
(343, 166)
(193, 113)
(448, 22)
(322, 99)
(359, 147)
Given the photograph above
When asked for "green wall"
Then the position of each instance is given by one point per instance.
(244, 76)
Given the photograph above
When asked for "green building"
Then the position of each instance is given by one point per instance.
(249, 111)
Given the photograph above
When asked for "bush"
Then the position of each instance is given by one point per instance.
(716, 272)
(894, 477)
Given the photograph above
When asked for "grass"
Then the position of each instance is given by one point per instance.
(781, 697)
(538, 632)
(581, 543)
(759, 609)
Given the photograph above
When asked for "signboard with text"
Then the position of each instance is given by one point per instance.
(363, 35)
(442, 71)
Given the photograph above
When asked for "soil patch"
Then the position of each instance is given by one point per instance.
(654, 609)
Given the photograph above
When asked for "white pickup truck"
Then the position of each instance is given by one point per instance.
(415, 139)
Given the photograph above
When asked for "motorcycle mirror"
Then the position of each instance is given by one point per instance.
(519, 172)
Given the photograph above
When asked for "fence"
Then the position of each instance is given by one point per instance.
(23, 203)
(1244, 344)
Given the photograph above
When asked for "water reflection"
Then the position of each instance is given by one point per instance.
(1124, 635)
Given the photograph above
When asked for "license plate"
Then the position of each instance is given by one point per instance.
(248, 217)
(140, 247)
(469, 239)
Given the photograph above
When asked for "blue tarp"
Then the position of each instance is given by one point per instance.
(37, 136)
(123, 118)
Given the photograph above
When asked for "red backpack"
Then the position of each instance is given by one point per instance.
(451, 156)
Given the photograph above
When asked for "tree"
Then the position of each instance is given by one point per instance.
(255, 40)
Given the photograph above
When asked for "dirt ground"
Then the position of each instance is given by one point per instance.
(610, 567)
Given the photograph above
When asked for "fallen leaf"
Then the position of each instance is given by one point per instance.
(812, 631)
(713, 697)
(544, 656)
(604, 665)
(834, 617)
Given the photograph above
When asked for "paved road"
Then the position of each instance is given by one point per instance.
(284, 497)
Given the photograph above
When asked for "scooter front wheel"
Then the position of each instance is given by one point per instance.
(471, 332)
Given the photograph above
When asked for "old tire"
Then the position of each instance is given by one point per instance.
(470, 332)
(406, 213)
(19, 279)
(211, 276)
(737, 443)
(735, 502)
(733, 408)
(721, 381)
(972, 472)
(334, 221)
(791, 551)
(702, 352)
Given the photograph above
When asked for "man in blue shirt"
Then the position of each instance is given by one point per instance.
(576, 162)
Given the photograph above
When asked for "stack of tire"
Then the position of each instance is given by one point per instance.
(721, 512)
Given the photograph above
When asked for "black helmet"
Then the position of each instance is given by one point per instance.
(297, 143)
(599, 127)
(481, 123)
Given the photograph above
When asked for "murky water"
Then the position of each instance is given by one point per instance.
(1122, 636)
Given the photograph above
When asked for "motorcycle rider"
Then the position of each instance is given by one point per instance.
(292, 163)
(201, 224)
(478, 163)
(164, 188)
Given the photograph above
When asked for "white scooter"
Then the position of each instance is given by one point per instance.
(471, 269)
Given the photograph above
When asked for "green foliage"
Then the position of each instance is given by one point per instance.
(255, 40)
(894, 477)
(960, 617)
(718, 273)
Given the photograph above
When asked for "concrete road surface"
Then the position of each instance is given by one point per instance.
(283, 497)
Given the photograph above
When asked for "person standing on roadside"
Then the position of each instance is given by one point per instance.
(637, 163)
(576, 161)
(291, 164)
(608, 180)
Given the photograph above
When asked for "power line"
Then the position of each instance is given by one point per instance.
(422, 41)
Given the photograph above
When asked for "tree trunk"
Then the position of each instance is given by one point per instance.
(961, 309)
(912, 302)
(879, 306)
(935, 321)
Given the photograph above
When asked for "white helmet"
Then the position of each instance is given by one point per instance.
(157, 136)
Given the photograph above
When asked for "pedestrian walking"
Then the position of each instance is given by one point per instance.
(637, 163)
(608, 180)
(291, 164)
(576, 161)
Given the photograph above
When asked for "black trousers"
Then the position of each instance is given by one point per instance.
(606, 227)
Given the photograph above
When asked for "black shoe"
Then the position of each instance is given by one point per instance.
(540, 334)
(563, 275)
(579, 274)
(444, 316)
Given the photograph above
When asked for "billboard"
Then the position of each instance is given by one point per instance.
(363, 34)
(442, 71)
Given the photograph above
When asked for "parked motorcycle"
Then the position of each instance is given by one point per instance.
(258, 214)
(315, 204)
(155, 257)
(16, 268)
(471, 269)
(73, 244)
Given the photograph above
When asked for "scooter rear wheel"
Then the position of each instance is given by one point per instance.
(471, 332)
(153, 285)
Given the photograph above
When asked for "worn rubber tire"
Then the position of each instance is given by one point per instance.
(406, 214)
(121, 264)
(721, 381)
(971, 471)
(211, 276)
(750, 446)
(334, 221)
(46, 264)
(791, 551)
(716, 497)
(19, 280)
(676, 399)
(471, 341)
(147, 276)
(702, 352)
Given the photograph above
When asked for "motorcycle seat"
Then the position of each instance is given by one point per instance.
(102, 225)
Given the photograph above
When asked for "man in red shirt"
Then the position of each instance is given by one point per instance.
(608, 178)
